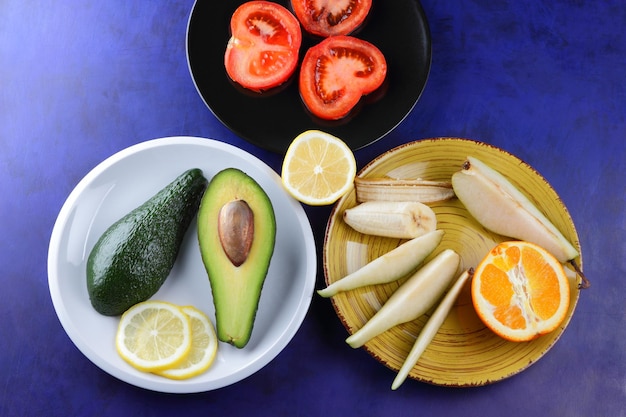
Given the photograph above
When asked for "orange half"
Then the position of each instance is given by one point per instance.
(520, 291)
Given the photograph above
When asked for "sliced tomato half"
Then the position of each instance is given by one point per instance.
(331, 17)
(337, 72)
(262, 52)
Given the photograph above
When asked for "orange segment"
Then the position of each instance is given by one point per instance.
(520, 291)
(318, 168)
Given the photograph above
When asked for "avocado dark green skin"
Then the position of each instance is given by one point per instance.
(132, 259)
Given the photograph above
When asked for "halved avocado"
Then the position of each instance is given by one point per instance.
(236, 232)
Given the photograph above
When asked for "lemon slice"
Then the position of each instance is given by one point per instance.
(203, 347)
(318, 168)
(153, 335)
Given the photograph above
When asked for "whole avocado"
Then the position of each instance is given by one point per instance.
(134, 256)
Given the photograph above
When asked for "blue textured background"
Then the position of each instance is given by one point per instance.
(81, 80)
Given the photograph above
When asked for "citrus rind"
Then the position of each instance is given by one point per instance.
(318, 168)
(524, 297)
(203, 347)
(153, 335)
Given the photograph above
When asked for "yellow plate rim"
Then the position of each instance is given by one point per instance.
(464, 353)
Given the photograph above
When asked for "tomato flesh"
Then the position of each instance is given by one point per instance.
(337, 72)
(331, 17)
(262, 52)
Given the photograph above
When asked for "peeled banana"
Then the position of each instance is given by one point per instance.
(402, 220)
(389, 189)
(500, 207)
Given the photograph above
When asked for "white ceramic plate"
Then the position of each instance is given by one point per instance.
(124, 181)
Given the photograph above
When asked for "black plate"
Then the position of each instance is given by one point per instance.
(397, 27)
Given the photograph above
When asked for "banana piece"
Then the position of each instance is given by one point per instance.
(389, 189)
(402, 220)
(500, 207)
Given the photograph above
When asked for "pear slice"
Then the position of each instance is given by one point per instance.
(500, 207)
(419, 293)
(389, 267)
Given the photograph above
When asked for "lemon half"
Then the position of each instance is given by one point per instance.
(318, 168)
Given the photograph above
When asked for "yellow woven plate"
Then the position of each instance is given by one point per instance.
(464, 352)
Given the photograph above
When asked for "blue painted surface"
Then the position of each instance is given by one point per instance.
(80, 80)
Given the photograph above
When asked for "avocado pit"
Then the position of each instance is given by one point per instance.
(235, 228)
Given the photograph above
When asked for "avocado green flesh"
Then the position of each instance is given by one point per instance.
(236, 289)
(134, 256)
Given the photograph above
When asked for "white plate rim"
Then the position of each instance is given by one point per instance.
(292, 324)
